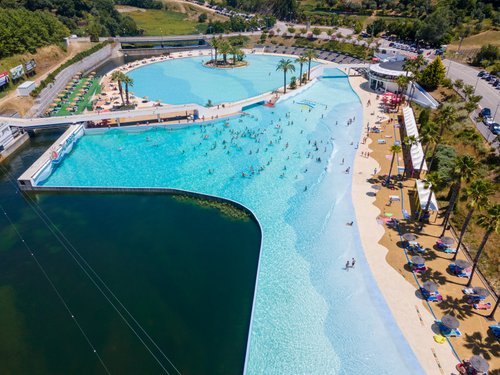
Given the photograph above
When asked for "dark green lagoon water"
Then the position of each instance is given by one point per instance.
(185, 273)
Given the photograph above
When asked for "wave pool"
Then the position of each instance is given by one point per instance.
(287, 164)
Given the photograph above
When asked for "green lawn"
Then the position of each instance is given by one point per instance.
(159, 22)
(63, 109)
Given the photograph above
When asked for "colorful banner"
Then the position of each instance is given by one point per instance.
(17, 72)
(4, 78)
(30, 65)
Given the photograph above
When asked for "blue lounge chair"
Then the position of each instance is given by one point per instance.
(496, 330)
(448, 332)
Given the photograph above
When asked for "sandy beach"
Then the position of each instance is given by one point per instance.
(413, 319)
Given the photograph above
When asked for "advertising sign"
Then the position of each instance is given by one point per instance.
(17, 72)
(30, 65)
(4, 78)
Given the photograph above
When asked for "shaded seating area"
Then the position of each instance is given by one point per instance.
(429, 291)
(476, 365)
(334, 57)
(445, 243)
(417, 264)
(460, 268)
(415, 159)
(448, 326)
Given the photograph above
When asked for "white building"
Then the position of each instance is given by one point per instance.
(6, 136)
(383, 76)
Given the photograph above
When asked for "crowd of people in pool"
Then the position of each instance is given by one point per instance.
(257, 141)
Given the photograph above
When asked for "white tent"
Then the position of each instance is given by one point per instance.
(423, 195)
(417, 153)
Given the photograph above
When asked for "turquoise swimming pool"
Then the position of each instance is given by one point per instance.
(187, 80)
(287, 164)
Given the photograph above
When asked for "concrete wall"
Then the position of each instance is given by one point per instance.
(50, 92)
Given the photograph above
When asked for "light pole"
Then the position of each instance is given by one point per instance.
(495, 115)
(477, 81)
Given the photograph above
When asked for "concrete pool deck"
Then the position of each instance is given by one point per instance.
(413, 319)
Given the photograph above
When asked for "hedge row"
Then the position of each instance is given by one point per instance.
(79, 56)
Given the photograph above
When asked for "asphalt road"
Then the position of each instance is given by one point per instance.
(491, 96)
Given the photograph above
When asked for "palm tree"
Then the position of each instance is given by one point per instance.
(395, 149)
(117, 77)
(129, 82)
(478, 192)
(428, 136)
(445, 118)
(402, 83)
(225, 49)
(489, 222)
(310, 55)
(433, 182)
(285, 65)
(464, 169)
(216, 43)
(301, 60)
(409, 142)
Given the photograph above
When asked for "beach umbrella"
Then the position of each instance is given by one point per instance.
(483, 292)
(52, 105)
(417, 260)
(430, 286)
(462, 264)
(479, 363)
(409, 237)
(57, 100)
(447, 241)
(376, 187)
(450, 321)
(388, 94)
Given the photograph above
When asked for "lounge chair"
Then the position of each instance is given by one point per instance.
(449, 250)
(482, 306)
(435, 297)
(475, 299)
(468, 291)
(448, 332)
(419, 268)
(496, 330)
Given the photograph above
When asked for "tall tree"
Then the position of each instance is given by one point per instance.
(310, 55)
(129, 82)
(446, 117)
(285, 65)
(395, 149)
(215, 43)
(433, 75)
(490, 222)
(428, 136)
(478, 193)
(464, 169)
(225, 49)
(117, 77)
(301, 60)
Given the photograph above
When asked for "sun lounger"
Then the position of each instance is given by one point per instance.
(482, 306)
(447, 332)
(381, 142)
(449, 250)
(496, 330)
(435, 297)
(475, 299)
(468, 290)
(419, 268)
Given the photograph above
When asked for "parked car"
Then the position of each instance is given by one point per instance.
(486, 115)
(495, 128)
(481, 73)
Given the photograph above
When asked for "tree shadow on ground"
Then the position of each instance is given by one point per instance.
(457, 307)
(433, 275)
(488, 346)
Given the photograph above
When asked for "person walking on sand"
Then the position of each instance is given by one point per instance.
(353, 262)
(347, 266)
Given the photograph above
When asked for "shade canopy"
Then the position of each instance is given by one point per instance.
(447, 240)
(430, 286)
(479, 363)
(462, 264)
(417, 260)
(376, 187)
(416, 150)
(450, 322)
(483, 292)
(424, 190)
(409, 237)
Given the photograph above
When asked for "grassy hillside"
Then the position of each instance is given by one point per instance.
(164, 22)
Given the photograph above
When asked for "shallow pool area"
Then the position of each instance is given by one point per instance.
(187, 80)
(291, 166)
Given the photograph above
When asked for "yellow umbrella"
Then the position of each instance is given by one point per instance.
(56, 100)
(73, 103)
(52, 105)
